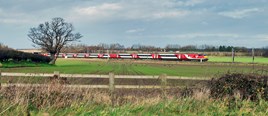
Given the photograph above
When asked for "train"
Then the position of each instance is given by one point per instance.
(173, 56)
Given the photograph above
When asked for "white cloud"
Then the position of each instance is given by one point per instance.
(197, 35)
(170, 14)
(14, 21)
(174, 3)
(262, 37)
(135, 30)
(14, 17)
(133, 10)
(193, 2)
(105, 9)
(238, 14)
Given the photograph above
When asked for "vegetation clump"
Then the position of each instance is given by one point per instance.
(246, 86)
(265, 54)
(7, 55)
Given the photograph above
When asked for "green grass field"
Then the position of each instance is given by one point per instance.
(130, 67)
(187, 107)
(238, 59)
(56, 100)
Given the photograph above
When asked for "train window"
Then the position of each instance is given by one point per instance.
(201, 54)
(168, 55)
(144, 55)
(124, 55)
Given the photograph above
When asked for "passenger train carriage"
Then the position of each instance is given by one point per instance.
(175, 56)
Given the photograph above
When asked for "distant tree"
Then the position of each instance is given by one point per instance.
(242, 49)
(172, 47)
(188, 48)
(265, 53)
(222, 48)
(229, 49)
(136, 47)
(116, 46)
(207, 48)
(2, 46)
(74, 48)
(53, 36)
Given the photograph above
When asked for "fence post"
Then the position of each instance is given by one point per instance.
(112, 88)
(111, 82)
(233, 55)
(163, 78)
(0, 78)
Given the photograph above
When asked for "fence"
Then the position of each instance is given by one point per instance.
(111, 77)
(111, 86)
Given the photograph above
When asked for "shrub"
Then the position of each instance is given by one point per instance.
(247, 86)
(9, 54)
(187, 92)
(265, 54)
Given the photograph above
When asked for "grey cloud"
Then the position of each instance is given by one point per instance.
(159, 21)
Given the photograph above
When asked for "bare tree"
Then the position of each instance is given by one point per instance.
(52, 36)
(74, 48)
(2, 46)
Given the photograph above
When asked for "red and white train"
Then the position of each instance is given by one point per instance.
(175, 56)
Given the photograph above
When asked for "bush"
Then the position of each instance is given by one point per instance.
(265, 54)
(9, 54)
(247, 86)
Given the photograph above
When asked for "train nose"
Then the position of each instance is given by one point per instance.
(205, 56)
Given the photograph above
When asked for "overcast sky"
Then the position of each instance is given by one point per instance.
(148, 22)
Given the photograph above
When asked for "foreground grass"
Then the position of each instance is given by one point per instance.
(182, 106)
(62, 101)
(55, 99)
(130, 67)
(187, 106)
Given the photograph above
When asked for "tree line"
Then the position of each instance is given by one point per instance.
(119, 48)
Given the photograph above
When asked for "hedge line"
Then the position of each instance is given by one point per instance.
(8, 54)
(247, 86)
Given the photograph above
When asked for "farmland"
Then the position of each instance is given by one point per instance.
(58, 100)
(141, 67)
(241, 59)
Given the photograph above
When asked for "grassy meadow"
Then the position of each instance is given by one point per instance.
(240, 59)
(58, 100)
(138, 67)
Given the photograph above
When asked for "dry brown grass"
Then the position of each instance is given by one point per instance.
(201, 94)
(58, 96)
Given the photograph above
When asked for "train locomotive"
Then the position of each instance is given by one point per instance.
(173, 56)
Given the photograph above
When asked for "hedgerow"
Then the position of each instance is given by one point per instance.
(13, 55)
(247, 86)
